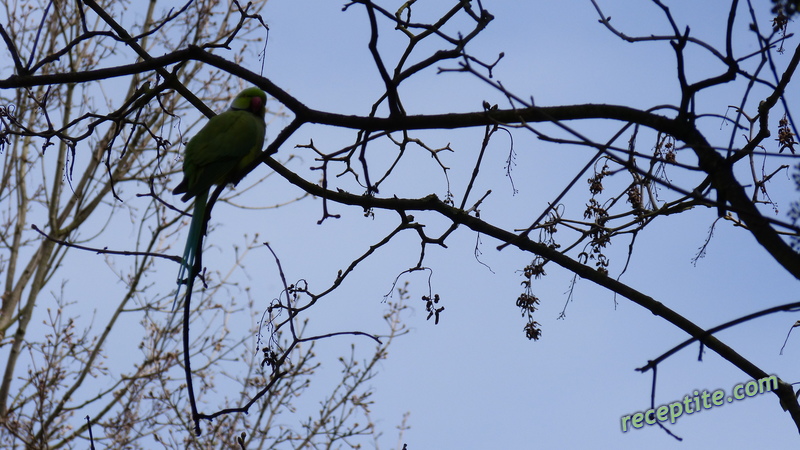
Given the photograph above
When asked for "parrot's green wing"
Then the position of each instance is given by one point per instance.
(229, 142)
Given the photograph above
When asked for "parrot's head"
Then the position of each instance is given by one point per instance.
(251, 99)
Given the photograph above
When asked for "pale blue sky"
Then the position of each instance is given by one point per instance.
(474, 381)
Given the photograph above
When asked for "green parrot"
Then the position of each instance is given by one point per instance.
(216, 155)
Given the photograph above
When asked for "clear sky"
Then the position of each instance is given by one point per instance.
(473, 380)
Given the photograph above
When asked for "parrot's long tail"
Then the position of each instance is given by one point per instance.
(190, 252)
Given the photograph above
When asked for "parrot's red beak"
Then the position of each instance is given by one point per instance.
(256, 105)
